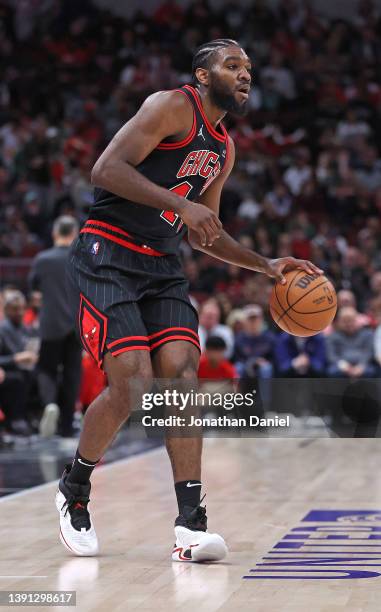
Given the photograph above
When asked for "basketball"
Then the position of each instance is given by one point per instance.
(305, 305)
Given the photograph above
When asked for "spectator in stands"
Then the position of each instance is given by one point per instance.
(300, 357)
(254, 346)
(213, 364)
(32, 312)
(368, 174)
(350, 349)
(59, 367)
(18, 357)
(377, 341)
(298, 174)
(345, 297)
(210, 316)
(278, 202)
(34, 161)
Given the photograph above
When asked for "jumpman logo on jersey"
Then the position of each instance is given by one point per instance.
(200, 132)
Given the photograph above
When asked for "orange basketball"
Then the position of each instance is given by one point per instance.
(305, 305)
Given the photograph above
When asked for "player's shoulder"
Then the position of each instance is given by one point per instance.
(231, 145)
(230, 158)
(172, 101)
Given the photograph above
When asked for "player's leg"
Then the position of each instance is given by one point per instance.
(178, 361)
(103, 285)
(129, 374)
(172, 327)
(47, 377)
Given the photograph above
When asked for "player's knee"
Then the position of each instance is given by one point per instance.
(128, 380)
(186, 365)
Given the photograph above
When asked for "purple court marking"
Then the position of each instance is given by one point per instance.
(332, 528)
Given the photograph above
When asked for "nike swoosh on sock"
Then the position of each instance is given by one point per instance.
(88, 464)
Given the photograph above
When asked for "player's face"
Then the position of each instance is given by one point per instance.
(230, 79)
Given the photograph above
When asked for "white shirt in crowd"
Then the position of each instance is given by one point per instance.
(295, 178)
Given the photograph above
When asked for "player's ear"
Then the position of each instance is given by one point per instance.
(202, 75)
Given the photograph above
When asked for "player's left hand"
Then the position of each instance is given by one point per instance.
(276, 267)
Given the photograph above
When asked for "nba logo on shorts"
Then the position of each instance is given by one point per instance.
(95, 248)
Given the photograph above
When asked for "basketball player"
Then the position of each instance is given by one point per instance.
(161, 176)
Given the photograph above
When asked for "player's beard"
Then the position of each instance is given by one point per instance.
(223, 99)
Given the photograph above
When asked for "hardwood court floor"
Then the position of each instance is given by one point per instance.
(258, 490)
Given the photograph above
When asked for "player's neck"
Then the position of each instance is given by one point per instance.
(213, 113)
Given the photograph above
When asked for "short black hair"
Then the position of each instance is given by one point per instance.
(215, 343)
(65, 226)
(204, 54)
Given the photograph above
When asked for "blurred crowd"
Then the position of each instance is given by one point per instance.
(307, 179)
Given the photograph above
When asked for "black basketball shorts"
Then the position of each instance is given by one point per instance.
(125, 296)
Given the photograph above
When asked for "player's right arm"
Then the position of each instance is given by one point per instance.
(164, 114)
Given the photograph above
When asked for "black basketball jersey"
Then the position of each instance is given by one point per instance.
(187, 167)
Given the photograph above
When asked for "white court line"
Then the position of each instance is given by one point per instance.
(101, 467)
(24, 576)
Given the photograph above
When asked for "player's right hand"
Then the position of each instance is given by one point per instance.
(204, 221)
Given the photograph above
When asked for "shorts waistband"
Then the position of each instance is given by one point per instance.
(121, 237)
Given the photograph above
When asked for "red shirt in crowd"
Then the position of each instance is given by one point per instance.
(224, 369)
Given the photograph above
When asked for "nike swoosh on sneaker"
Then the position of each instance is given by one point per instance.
(196, 484)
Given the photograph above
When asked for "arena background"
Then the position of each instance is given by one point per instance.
(307, 182)
(307, 178)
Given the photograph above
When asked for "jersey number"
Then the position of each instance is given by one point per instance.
(182, 189)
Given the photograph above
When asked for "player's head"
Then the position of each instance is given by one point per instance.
(65, 230)
(223, 67)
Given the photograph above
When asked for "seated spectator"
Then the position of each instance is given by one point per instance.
(282, 77)
(368, 174)
(278, 202)
(300, 357)
(351, 127)
(377, 342)
(350, 349)
(210, 316)
(345, 297)
(17, 361)
(254, 346)
(32, 312)
(235, 320)
(249, 209)
(213, 364)
(299, 173)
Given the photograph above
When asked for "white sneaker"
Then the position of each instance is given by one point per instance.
(77, 532)
(193, 542)
(49, 421)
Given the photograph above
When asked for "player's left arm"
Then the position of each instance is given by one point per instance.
(229, 250)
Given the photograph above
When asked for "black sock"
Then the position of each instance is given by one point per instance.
(81, 469)
(188, 493)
